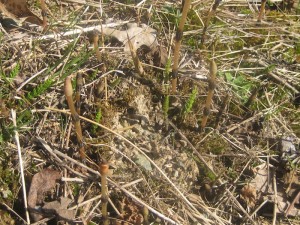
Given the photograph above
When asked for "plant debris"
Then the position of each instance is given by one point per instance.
(139, 36)
(41, 183)
(192, 145)
(18, 11)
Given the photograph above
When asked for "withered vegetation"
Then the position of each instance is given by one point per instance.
(174, 121)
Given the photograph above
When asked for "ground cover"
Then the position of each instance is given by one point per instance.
(220, 148)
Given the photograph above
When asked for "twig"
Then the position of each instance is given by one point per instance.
(85, 202)
(70, 179)
(258, 208)
(273, 75)
(30, 79)
(80, 31)
(144, 204)
(239, 205)
(13, 116)
(292, 205)
(193, 148)
(14, 212)
(232, 128)
(53, 153)
(275, 200)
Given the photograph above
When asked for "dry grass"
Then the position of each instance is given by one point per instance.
(159, 160)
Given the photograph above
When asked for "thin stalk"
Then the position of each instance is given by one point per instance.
(262, 10)
(75, 116)
(14, 119)
(44, 15)
(178, 39)
(104, 192)
(221, 111)
(79, 84)
(137, 64)
(211, 13)
(211, 88)
(95, 39)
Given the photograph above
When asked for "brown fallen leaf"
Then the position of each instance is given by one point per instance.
(18, 9)
(263, 179)
(261, 188)
(41, 182)
(60, 208)
(139, 36)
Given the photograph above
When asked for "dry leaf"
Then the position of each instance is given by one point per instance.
(263, 179)
(248, 194)
(138, 36)
(160, 56)
(18, 9)
(263, 183)
(41, 182)
(60, 208)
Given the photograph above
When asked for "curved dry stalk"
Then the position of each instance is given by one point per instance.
(211, 88)
(75, 116)
(211, 13)
(178, 39)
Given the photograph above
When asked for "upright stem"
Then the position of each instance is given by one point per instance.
(44, 15)
(104, 192)
(75, 116)
(211, 13)
(221, 111)
(79, 84)
(262, 10)
(211, 88)
(137, 64)
(178, 40)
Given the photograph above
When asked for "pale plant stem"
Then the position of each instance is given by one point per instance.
(13, 116)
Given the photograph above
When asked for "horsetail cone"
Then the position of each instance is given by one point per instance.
(68, 87)
(213, 69)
